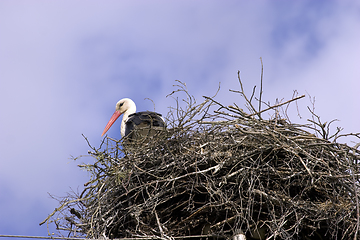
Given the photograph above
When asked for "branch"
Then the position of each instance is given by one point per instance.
(261, 84)
(277, 105)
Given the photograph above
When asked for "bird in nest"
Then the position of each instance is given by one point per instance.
(136, 125)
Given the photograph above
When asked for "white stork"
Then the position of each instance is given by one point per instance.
(135, 125)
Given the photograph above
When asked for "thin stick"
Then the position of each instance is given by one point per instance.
(261, 85)
(277, 105)
(159, 224)
(59, 208)
(243, 94)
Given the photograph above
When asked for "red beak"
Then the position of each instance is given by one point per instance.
(113, 118)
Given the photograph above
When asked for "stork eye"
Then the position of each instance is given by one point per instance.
(121, 104)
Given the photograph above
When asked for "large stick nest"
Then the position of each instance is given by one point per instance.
(217, 173)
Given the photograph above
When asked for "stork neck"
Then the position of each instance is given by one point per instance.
(130, 110)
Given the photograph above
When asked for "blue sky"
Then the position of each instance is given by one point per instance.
(64, 65)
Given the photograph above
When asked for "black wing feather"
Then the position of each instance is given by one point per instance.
(143, 119)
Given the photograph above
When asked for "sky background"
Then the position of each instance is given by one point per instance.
(65, 64)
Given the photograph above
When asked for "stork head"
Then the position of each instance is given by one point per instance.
(125, 106)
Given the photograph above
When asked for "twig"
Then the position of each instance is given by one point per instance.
(277, 105)
(261, 85)
(242, 92)
(60, 208)
(159, 224)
